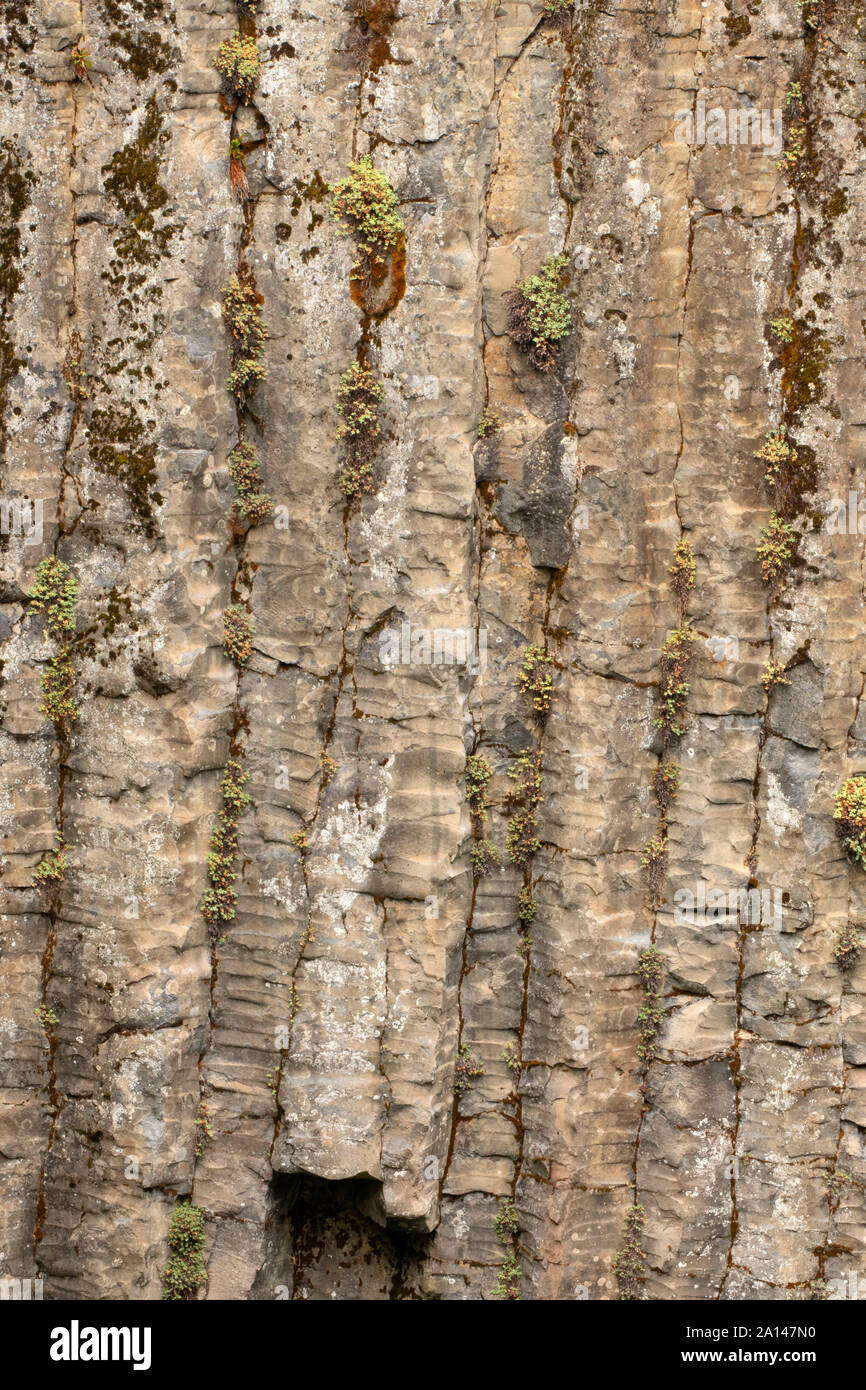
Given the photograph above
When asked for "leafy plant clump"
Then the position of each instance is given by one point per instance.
(666, 785)
(773, 674)
(219, 902)
(203, 1128)
(654, 858)
(238, 64)
(54, 595)
(242, 312)
(185, 1273)
(506, 1223)
(466, 1068)
(81, 62)
(782, 328)
(489, 422)
(52, 867)
(508, 1279)
(651, 1016)
(359, 396)
(536, 679)
(848, 945)
(300, 841)
(329, 768)
(483, 855)
(682, 571)
(238, 633)
(776, 547)
(478, 774)
(511, 1058)
(252, 503)
(849, 813)
(527, 907)
(521, 840)
(364, 205)
(676, 655)
(526, 772)
(794, 149)
(46, 1016)
(629, 1265)
(58, 686)
(776, 453)
(539, 314)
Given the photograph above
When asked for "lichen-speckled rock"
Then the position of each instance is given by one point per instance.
(293, 1072)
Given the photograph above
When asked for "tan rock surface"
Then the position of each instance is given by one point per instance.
(320, 1030)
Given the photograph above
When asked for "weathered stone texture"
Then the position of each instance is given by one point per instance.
(320, 1030)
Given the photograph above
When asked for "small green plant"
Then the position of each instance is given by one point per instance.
(219, 902)
(489, 423)
(52, 867)
(558, 8)
(508, 1280)
(848, 945)
(506, 1223)
(184, 1273)
(478, 774)
(676, 656)
(682, 571)
(654, 858)
(483, 855)
(783, 328)
(629, 1265)
(238, 633)
(778, 539)
(527, 907)
(359, 396)
(251, 502)
(238, 63)
(300, 841)
(511, 1058)
(466, 1068)
(773, 674)
(536, 679)
(46, 1016)
(793, 94)
(650, 1019)
(203, 1128)
(777, 454)
(54, 595)
(849, 813)
(539, 314)
(81, 62)
(242, 311)
(811, 13)
(238, 170)
(364, 205)
(521, 840)
(666, 785)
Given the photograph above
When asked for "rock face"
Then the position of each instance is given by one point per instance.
(292, 1071)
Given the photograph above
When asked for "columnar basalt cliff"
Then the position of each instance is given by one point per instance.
(432, 532)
